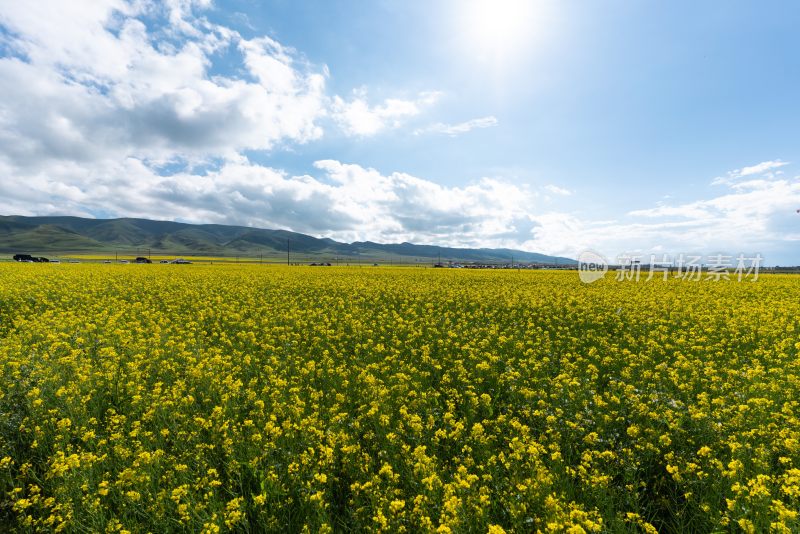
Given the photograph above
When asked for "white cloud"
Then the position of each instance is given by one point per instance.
(89, 80)
(346, 202)
(761, 168)
(751, 216)
(765, 168)
(357, 117)
(459, 128)
(557, 190)
(140, 79)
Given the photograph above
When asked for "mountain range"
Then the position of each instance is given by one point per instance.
(78, 235)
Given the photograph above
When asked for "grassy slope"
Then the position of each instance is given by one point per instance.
(40, 235)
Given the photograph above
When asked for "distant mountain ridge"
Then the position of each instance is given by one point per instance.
(65, 234)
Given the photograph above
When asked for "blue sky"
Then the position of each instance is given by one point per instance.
(623, 127)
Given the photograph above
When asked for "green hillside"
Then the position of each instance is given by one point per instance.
(45, 237)
(77, 235)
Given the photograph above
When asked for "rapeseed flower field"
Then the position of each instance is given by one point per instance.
(250, 398)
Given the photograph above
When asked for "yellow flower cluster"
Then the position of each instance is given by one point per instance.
(254, 398)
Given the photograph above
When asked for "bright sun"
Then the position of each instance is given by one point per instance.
(498, 29)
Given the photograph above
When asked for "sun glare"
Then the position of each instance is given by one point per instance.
(498, 29)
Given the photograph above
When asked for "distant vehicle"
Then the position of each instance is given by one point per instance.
(23, 257)
(74, 261)
(55, 261)
(181, 261)
(164, 261)
(124, 261)
(106, 261)
(27, 258)
(142, 260)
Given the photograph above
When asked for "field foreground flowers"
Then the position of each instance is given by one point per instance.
(249, 398)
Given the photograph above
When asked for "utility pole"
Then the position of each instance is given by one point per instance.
(261, 258)
(148, 254)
